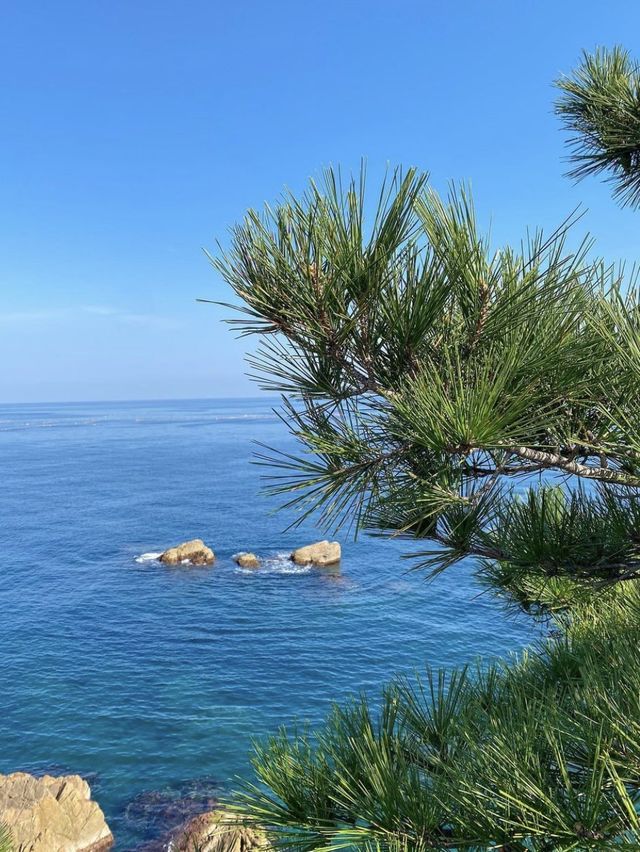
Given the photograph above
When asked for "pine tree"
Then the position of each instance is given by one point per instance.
(484, 402)
(600, 106)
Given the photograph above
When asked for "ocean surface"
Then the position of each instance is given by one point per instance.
(151, 681)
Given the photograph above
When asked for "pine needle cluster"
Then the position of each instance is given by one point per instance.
(539, 754)
(485, 402)
(600, 107)
(434, 382)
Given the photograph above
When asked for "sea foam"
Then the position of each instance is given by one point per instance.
(149, 557)
(279, 563)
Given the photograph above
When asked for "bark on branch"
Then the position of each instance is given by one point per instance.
(552, 460)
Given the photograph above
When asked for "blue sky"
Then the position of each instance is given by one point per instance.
(136, 133)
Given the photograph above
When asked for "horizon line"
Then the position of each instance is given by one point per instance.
(139, 399)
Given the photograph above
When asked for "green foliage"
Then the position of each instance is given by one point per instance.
(424, 369)
(548, 535)
(600, 107)
(485, 402)
(6, 844)
(539, 754)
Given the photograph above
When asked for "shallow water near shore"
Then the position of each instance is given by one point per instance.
(147, 678)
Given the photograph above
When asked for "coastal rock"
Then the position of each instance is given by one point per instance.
(52, 814)
(195, 552)
(157, 816)
(321, 553)
(247, 560)
(218, 831)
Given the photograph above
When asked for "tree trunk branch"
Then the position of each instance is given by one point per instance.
(552, 460)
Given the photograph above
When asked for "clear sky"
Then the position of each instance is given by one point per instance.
(134, 133)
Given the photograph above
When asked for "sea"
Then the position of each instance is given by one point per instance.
(152, 681)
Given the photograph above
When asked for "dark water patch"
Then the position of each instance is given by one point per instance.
(154, 816)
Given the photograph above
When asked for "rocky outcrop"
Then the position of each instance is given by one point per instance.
(321, 553)
(52, 814)
(158, 816)
(247, 560)
(194, 552)
(218, 831)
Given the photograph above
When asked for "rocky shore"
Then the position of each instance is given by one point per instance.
(57, 814)
(217, 831)
(52, 814)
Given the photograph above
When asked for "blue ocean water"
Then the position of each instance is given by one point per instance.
(149, 678)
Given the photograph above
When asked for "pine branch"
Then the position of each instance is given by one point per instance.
(600, 107)
(424, 367)
(553, 461)
(541, 753)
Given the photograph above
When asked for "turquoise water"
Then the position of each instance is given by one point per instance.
(149, 678)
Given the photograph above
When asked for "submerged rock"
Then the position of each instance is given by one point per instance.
(247, 560)
(195, 552)
(52, 813)
(156, 815)
(218, 831)
(320, 553)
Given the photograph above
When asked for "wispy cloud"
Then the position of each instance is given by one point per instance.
(100, 310)
(107, 312)
(20, 317)
(130, 318)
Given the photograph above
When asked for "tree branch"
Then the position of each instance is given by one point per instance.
(553, 460)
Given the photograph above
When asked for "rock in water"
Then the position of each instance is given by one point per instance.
(196, 552)
(218, 831)
(247, 560)
(320, 553)
(158, 816)
(52, 813)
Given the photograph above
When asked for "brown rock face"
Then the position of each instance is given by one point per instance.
(218, 831)
(195, 552)
(320, 553)
(247, 560)
(52, 814)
